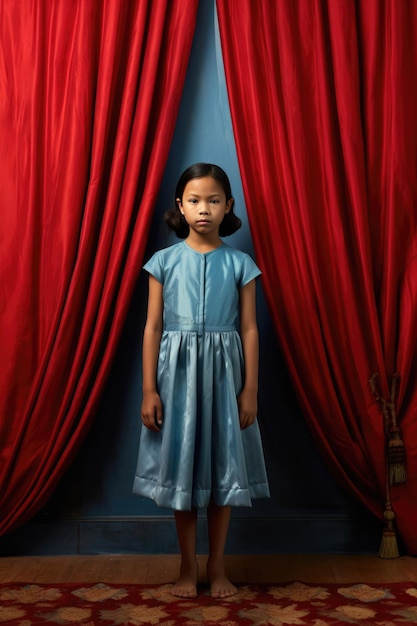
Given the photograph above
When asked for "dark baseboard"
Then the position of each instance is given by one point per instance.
(303, 534)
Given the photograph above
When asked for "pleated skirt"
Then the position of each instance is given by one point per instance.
(200, 453)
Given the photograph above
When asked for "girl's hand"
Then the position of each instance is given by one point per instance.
(152, 411)
(248, 407)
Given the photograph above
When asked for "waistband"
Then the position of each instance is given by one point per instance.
(203, 328)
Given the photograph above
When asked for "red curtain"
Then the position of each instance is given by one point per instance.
(323, 100)
(89, 96)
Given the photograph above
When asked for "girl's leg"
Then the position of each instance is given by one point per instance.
(218, 518)
(186, 585)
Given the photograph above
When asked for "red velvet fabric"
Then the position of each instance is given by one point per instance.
(323, 100)
(89, 98)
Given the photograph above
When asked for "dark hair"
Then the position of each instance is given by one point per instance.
(173, 217)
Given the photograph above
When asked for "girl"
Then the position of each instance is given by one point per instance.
(201, 445)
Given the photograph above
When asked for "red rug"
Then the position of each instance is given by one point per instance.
(295, 604)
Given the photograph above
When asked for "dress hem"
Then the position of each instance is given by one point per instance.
(177, 500)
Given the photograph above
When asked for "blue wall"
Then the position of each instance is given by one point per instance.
(93, 509)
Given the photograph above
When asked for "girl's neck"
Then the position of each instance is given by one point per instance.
(203, 244)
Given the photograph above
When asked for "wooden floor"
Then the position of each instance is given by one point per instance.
(241, 569)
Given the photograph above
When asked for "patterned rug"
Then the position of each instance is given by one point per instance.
(295, 604)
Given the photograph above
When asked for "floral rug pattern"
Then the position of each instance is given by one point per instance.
(293, 604)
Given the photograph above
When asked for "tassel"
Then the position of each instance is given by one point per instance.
(396, 459)
(395, 448)
(389, 547)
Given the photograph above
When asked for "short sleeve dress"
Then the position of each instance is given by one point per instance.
(201, 452)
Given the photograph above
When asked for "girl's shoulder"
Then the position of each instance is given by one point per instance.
(244, 265)
(235, 252)
(238, 255)
(162, 260)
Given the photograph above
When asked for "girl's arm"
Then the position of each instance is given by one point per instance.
(151, 405)
(248, 398)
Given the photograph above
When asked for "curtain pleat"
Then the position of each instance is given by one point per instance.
(322, 97)
(89, 95)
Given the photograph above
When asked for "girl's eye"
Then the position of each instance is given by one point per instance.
(215, 201)
(192, 201)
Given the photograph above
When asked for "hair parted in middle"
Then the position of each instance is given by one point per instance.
(174, 218)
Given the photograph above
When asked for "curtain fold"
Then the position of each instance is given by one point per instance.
(322, 99)
(89, 94)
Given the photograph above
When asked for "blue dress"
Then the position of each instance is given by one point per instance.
(201, 452)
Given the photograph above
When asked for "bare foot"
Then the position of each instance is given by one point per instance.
(220, 585)
(186, 585)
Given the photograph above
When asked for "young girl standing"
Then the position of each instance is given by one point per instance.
(201, 446)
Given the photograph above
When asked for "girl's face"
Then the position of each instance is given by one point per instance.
(204, 205)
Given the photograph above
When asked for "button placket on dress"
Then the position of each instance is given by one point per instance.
(202, 298)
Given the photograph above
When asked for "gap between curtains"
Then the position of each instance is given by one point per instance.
(322, 97)
(89, 94)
